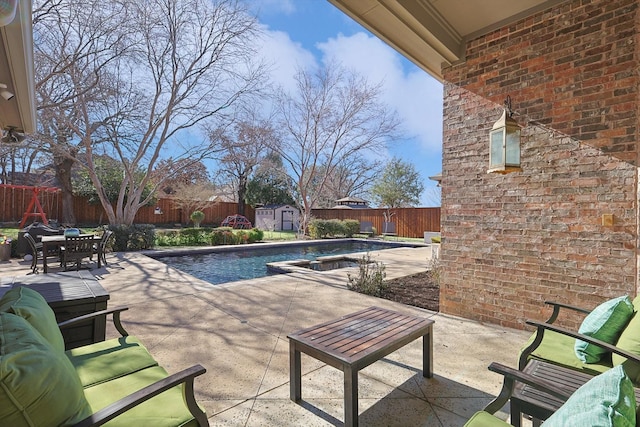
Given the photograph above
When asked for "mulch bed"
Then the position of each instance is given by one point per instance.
(419, 290)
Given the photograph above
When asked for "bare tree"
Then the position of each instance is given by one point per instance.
(74, 43)
(190, 197)
(352, 177)
(18, 162)
(333, 115)
(241, 148)
(175, 175)
(131, 77)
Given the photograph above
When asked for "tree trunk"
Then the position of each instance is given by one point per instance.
(241, 204)
(242, 191)
(63, 174)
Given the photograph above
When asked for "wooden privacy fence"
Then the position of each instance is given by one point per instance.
(410, 222)
(164, 211)
(15, 201)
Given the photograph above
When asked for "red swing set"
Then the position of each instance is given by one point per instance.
(34, 210)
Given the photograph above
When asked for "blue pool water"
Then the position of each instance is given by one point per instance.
(244, 263)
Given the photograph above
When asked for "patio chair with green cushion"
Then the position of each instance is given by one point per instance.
(606, 399)
(612, 339)
(116, 381)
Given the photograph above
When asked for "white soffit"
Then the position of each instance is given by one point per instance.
(16, 71)
(434, 32)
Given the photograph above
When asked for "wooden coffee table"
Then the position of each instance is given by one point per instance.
(355, 341)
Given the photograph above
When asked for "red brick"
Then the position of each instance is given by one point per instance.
(512, 241)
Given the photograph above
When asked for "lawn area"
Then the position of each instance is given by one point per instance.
(269, 236)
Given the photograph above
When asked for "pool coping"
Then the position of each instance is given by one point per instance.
(194, 250)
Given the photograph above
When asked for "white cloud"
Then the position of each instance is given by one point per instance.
(284, 57)
(416, 96)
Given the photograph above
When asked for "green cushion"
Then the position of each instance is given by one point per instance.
(106, 360)
(605, 400)
(38, 386)
(164, 410)
(30, 305)
(557, 348)
(630, 341)
(605, 323)
(485, 419)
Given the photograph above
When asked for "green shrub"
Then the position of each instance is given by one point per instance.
(133, 237)
(370, 278)
(350, 227)
(197, 217)
(323, 228)
(317, 229)
(221, 236)
(256, 235)
(335, 228)
(242, 237)
(194, 236)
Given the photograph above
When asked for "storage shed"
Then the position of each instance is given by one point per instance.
(277, 217)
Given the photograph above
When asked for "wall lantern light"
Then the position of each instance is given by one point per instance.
(504, 140)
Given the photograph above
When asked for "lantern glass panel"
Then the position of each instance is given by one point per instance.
(513, 147)
(497, 149)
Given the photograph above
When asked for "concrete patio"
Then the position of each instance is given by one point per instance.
(238, 332)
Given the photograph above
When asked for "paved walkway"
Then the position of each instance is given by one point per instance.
(238, 332)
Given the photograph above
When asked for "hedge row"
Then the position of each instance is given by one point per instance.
(207, 237)
(323, 228)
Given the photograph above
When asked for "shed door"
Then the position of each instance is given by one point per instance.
(287, 220)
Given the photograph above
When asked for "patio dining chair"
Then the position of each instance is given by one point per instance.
(36, 250)
(100, 248)
(75, 249)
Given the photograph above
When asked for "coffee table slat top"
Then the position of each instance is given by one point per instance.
(358, 335)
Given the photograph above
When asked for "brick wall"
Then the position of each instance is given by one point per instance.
(513, 241)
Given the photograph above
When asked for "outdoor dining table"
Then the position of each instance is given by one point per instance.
(51, 242)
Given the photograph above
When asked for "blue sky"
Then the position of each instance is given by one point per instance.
(300, 33)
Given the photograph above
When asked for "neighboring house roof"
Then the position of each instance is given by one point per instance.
(276, 207)
(351, 203)
(225, 193)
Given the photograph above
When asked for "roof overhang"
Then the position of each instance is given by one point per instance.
(16, 70)
(433, 33)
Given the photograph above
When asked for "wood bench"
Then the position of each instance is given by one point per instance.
(355, 341)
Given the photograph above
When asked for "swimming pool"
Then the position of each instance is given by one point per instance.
(249, 262)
